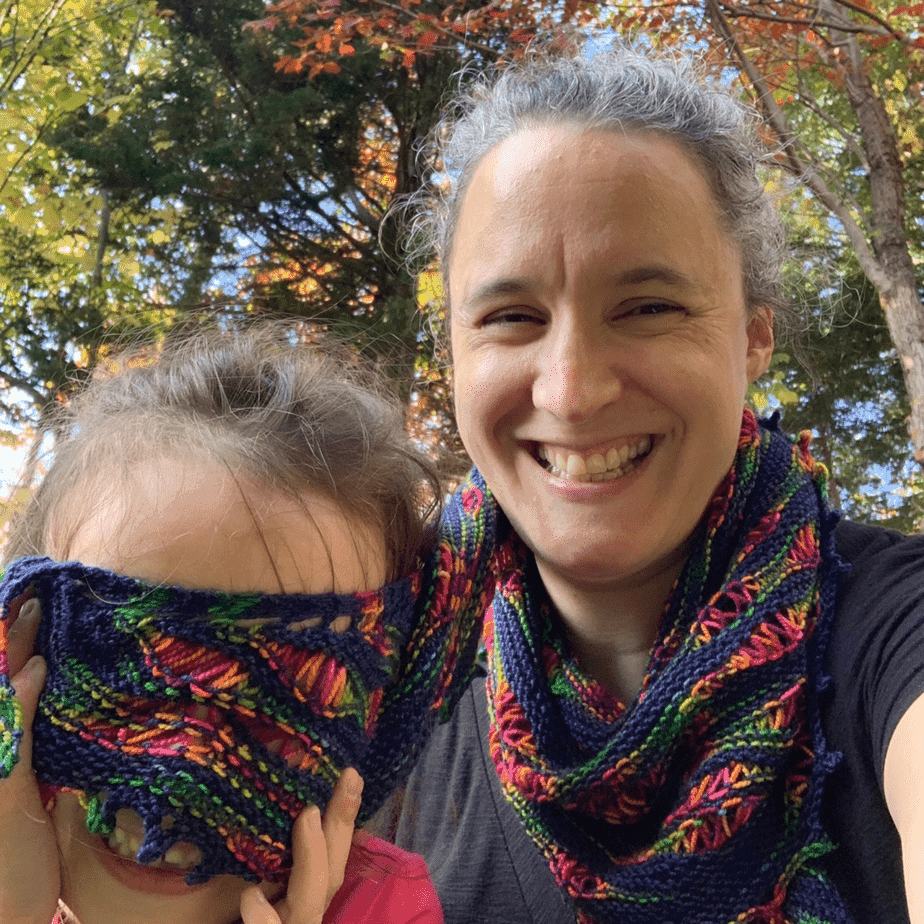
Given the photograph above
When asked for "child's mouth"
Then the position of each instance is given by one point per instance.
(128, 835)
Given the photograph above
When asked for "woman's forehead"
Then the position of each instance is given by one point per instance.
(592, 200)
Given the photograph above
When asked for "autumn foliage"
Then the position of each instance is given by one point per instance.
(400, 31)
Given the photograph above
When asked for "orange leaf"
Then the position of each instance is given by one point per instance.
(346, 49)
(258, 25)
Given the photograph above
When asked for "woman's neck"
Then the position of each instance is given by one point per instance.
(612, 630)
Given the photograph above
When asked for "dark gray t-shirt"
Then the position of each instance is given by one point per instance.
(486, 869)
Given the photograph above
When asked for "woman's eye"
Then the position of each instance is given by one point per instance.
(647, 310)
(511, 316)
(650, 308)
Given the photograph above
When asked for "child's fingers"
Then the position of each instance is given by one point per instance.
(319, 857)
(307, 896)
(339, 824)
(25, 614)
(256, 909)
(28, 841)
(28, 684)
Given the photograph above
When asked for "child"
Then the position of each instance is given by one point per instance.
(224, 539)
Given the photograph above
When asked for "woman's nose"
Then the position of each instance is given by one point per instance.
(575, 378)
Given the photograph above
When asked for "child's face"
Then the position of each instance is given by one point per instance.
(193, 524)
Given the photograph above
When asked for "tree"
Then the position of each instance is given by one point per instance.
(841, 379)
(840, 87)
(68, 260)
(250, 144)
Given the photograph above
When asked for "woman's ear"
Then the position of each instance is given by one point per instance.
(760, 343)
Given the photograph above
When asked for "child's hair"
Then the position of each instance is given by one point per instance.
(263, 403)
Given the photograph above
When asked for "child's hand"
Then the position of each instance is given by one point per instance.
(30, 878)
(320, 851)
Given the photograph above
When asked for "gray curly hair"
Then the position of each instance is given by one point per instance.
(620, 88)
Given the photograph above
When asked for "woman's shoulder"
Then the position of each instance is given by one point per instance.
(868, 547)
(881, 603)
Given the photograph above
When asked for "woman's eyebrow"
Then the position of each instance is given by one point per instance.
(504, 286)
(519, 285)
(655, 272)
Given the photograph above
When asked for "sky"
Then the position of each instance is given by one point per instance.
(10, 460)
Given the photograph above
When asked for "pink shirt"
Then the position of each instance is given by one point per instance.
(384, 884)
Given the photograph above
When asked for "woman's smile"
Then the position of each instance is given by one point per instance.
(601, 464)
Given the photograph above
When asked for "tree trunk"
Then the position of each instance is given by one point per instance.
(905, 318)
(895, 280)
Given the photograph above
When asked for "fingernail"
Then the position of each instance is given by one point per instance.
(314, 817)
(35, 665)
(354, 782)
(31, 609)
(30, 612)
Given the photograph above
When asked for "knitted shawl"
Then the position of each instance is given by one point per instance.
(229, 713)
(699, 802)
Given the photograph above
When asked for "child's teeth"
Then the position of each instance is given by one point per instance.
(125, 844)
(182, 856)
(179, 856)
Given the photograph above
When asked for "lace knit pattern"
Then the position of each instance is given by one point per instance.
(699, 802)
(229, 713)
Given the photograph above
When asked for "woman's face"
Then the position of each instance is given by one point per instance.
(601, 348)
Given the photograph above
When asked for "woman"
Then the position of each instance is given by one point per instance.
(703, 702)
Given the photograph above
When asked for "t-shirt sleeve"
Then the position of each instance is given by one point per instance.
(877, 649)
(384, 884)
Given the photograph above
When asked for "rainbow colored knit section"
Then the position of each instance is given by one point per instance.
(229, 713)
(698, 802)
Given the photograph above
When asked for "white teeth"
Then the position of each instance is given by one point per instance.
(596, 464)
(184, 856)
(576, 467)
(181, 857)
(124, 843)
(596, 467)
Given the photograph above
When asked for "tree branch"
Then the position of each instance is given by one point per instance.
(791, 160)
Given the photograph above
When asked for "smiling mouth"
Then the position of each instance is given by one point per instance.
(598, 466)
(125, 842)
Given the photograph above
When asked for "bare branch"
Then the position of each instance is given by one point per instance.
(791, 161)
(739, 13)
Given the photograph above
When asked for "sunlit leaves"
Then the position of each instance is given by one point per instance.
(399, 31)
